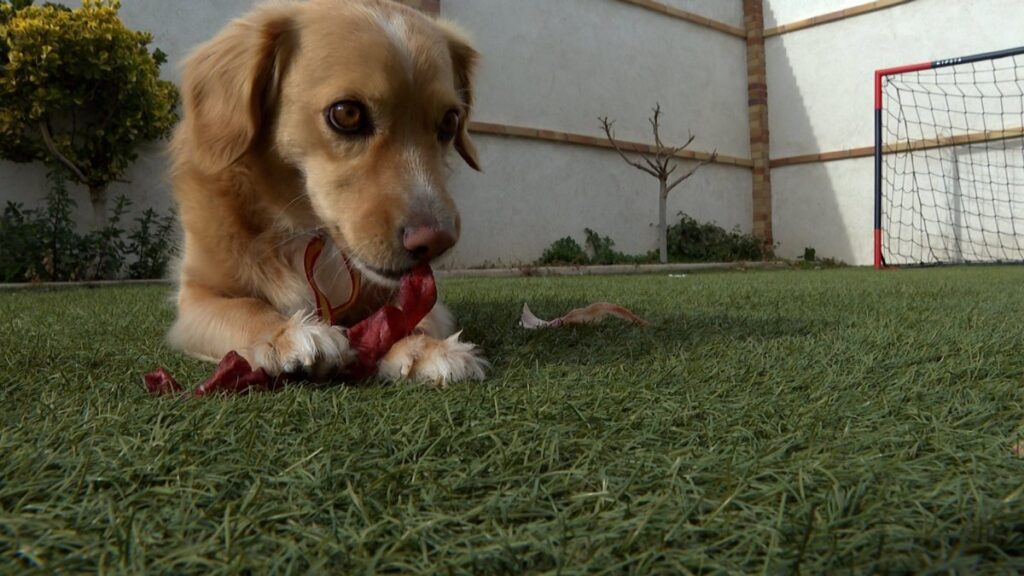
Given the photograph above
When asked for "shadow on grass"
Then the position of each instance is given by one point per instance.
(614, 341)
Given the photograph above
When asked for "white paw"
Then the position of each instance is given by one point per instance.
(440, 362)
(305, 346)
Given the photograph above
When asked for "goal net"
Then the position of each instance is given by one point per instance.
(949, 161)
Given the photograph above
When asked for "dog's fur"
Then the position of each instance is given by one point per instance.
(258, 170)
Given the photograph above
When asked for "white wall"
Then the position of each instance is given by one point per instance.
(725, 11)
(560, 65)
(779, 12)
(821, 99)
(536, 192)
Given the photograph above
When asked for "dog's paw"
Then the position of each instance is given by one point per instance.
(304, 346)
(438, 362)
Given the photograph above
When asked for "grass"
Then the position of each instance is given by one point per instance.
(839, 421)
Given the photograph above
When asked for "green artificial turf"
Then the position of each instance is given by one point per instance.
(838, 421)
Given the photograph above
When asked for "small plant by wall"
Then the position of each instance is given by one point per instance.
(600, 250)
(44, 245)
(811, 261)
(688, 241)
(693, 241)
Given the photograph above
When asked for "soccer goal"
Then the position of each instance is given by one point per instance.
(949, 161)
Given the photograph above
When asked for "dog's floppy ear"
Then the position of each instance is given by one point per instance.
(464, 63)
(229, 83)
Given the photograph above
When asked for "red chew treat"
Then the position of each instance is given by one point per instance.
(161, 383)
(374, 336)
(417, 296)
(234, 375)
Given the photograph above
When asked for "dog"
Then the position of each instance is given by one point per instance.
(327, 122)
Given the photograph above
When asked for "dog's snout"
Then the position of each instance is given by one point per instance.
(424, 243)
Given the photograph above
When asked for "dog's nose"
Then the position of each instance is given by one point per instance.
(424, 243)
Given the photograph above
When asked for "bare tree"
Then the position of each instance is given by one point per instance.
(661, 164)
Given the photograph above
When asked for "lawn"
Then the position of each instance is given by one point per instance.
(842, 421)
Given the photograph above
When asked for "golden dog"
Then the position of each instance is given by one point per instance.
(327, 119)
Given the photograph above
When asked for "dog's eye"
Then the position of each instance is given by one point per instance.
(449, 126)
(349, 117)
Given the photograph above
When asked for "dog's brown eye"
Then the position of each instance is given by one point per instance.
(349, 117)
(449, 126)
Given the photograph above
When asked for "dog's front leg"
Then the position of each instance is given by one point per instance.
(434, 354)
(210, 325)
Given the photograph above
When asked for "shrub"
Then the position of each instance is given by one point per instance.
(600, 250)
(811, 261)
(152, 244)
(564, 251)
(692, 241)
(79, 89)
(688, 241)
(604, 253)
(43, 245)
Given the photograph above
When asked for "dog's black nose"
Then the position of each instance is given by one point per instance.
(424, 243)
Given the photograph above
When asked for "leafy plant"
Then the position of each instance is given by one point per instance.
(810, 261)
(43, 245)
(600, 250)
(564, 251)
(18, 236)
(80, 90)
(152, 244)
(603, 250)
(693, 241)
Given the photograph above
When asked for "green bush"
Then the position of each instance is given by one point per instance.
(80, 89)
(152, 244)
(600, 250)
(688, 241)
(811, 261)
(604, 253)
(562, 252)
(693, 241)
(43, 245)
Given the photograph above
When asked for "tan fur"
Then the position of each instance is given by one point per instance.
(257, 170)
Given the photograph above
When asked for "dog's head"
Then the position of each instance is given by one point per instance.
(362, 98)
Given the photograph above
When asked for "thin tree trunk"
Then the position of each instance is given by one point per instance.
(663, 222)
(98, 198)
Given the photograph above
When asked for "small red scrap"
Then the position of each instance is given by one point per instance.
(372, 339)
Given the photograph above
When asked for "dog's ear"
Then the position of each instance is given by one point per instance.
(229, 84)
(464, 62)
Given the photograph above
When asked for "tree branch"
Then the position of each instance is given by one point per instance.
(659, 145)
(679, 149)
(681, 179)
(48, 140)
(606, 125)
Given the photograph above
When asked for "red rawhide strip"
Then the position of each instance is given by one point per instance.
(234, 375)
(372, 338)
(161, 382)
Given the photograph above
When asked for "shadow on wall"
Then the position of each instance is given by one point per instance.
(806, 208)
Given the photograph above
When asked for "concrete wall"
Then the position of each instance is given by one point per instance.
(725, 11)
(821, 97)
(551, 64)
(559, 66)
